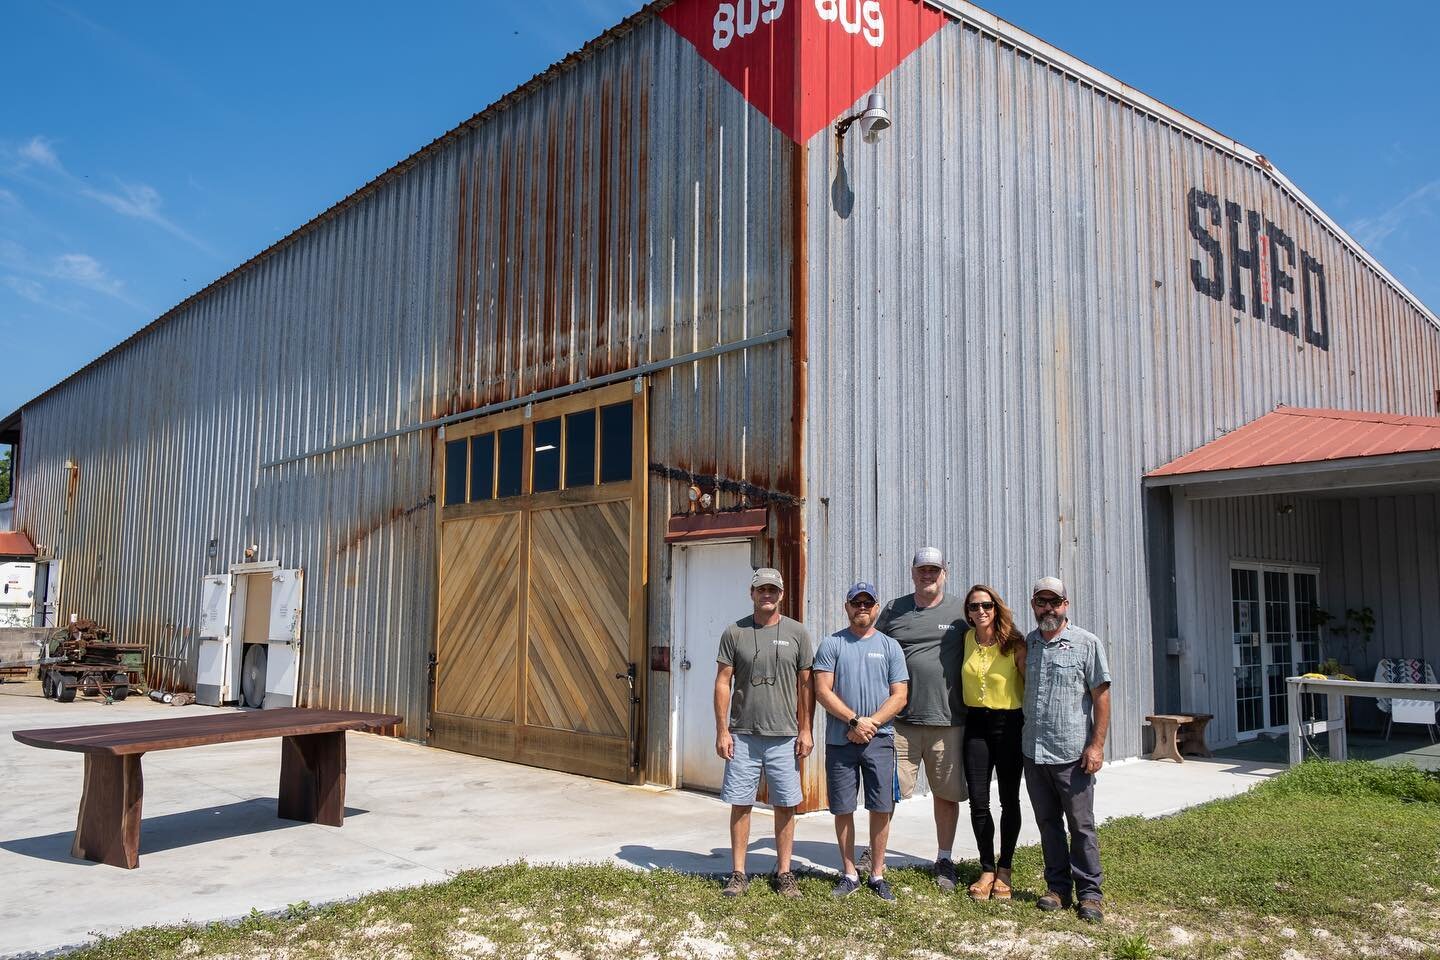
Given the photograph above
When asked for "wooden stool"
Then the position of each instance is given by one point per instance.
(1179, 733)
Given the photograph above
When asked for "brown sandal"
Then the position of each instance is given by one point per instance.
(1002, 890)
(981, 889)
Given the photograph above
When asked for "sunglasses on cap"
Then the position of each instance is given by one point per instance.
(981, 605)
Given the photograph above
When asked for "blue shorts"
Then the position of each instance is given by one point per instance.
(776, 757)
(846, 764)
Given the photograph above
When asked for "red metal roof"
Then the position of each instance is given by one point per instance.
(16, 544)
(1290, 435)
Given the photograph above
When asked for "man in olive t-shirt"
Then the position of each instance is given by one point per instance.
(930, 628)
(763, 710)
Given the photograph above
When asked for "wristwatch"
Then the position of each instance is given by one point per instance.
(855, 721)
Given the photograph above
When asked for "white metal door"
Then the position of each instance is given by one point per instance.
(214, 675)
(282, 662)
(17, 593)
(712, 589)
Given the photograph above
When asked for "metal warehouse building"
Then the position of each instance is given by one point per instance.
(434, 453)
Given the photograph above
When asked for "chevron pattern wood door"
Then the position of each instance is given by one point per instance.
(479, 618)
(579, 619)
(541, 611)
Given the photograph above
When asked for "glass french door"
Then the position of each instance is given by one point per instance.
(1274, 635)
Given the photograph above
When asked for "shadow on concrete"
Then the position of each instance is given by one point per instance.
(174, 830)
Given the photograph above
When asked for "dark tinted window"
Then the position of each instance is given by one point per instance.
(545, 470)
(455, 455)
(512, 461)
(616, 435)
(580, 449)
(482, 467)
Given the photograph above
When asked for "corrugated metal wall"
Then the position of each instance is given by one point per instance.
(630, 208)
(1005, 337)
(1384, 553)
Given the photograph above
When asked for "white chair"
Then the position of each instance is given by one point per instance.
(1407, 711)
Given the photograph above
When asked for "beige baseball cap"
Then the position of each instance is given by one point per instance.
(767, 576)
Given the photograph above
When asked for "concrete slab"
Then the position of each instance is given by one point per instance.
(212, 848)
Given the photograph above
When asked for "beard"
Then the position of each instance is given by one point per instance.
(1050, 622)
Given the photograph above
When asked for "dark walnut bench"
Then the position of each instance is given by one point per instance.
(1179, 733)
(312, 767)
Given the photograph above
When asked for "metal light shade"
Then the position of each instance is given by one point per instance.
(875, 120)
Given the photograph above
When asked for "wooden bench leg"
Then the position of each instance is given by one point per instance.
(1193, 738)
(108, 828)
(312, 778)
(1165, 745)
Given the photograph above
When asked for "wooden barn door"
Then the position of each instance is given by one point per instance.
(540, 628)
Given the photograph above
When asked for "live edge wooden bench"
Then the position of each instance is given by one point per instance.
(312, 767)
(1179, 733)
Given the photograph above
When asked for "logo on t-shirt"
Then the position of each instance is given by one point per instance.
(877, 656)
(781, 643)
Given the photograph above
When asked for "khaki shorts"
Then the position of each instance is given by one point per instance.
(941, 750)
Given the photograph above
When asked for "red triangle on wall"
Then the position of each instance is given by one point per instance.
(803, 63)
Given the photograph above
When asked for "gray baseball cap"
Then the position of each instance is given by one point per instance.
(1049, 585)
(928, 557)
(767, 576)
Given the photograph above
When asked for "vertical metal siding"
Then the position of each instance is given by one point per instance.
(629, 207)
(1005, 338)
(1384, 553)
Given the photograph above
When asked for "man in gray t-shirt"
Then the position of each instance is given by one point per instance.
(763, 711)
(930, 627)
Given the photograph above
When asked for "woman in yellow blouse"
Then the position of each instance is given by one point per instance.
(993, 681)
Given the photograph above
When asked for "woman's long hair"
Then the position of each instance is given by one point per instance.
(1010, 638)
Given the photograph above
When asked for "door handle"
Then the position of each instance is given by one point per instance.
(684, 664)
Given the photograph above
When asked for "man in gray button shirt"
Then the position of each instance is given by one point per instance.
(930, 628)
(1067, 714)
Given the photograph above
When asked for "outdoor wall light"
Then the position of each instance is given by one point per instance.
(874, 120)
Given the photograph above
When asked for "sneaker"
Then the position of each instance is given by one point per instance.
(863, 866)
(1052, 901)
(881, 889)
(844, 888)
(1090, 911)
(945, 876)
(735, 884)
(787, 886)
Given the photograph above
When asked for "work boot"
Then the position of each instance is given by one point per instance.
(945, 875)
(1052, 901)
(735, 885)
(787, 886)
(863, 865)
(1090, 911)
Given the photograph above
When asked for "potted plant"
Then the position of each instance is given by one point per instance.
(1354, 631)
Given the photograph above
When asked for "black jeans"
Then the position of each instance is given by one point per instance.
(1062, 795)
(992, 744)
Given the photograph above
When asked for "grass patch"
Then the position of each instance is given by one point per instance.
(1328, 860)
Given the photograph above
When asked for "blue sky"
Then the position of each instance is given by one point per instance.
(147, 149)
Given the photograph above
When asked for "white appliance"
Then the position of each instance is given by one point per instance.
(17, 594)
(250, 637)
(219, 666)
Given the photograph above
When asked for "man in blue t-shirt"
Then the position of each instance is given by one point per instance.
(861, 681)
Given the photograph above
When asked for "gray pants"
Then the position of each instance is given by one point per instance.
(1062, 795)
